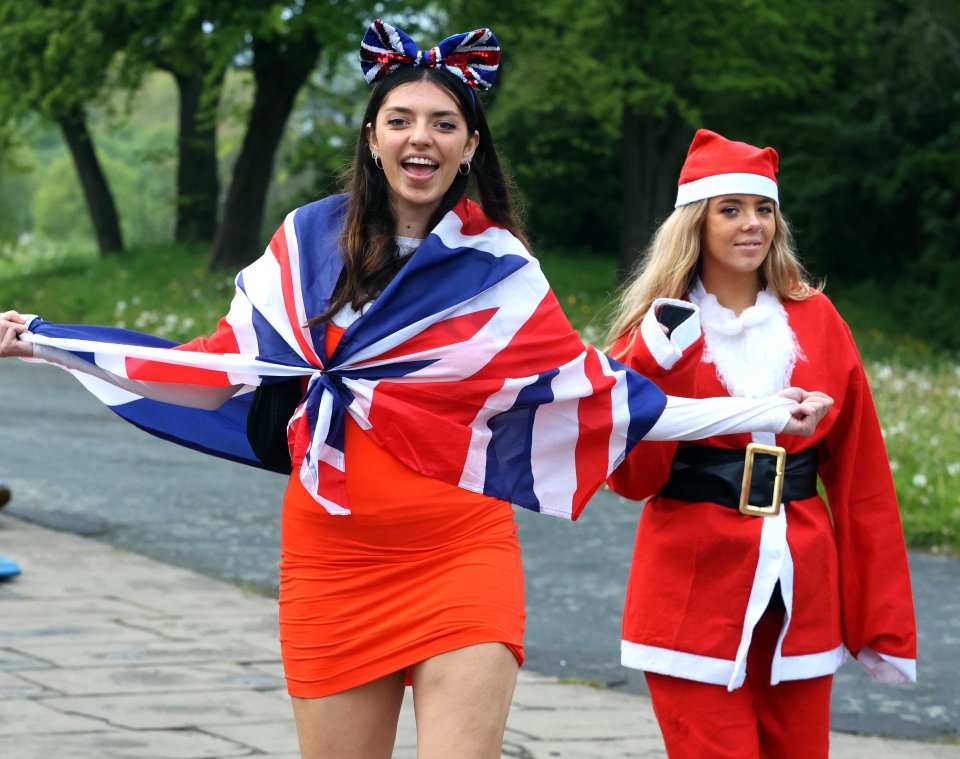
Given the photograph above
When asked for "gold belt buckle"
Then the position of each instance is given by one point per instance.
(774, 508)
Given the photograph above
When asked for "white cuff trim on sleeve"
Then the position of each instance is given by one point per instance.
(666, 351)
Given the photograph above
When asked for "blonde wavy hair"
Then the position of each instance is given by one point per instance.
(670, 266)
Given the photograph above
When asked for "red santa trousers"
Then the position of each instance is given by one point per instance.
(756, 721)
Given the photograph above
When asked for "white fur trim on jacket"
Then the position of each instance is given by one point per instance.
(716, 671)
(754, 352)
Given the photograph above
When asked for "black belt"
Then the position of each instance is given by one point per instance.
(700, 473)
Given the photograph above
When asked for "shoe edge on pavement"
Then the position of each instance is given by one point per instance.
(8, 568)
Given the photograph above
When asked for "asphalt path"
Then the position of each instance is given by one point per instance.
(76, 467)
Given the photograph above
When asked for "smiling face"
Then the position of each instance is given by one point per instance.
(737, 233)
(421, 137)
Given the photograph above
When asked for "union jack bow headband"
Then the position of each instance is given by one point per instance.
(471, 56)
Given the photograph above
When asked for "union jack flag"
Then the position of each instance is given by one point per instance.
(464, 368)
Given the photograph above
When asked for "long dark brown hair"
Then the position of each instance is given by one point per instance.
(368, 238)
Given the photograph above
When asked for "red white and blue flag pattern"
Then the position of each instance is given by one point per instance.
(473, 56)
(464, 368)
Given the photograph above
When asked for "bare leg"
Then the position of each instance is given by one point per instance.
(360, 722)
(462, 699)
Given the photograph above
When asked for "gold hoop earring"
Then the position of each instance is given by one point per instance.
(460, 169)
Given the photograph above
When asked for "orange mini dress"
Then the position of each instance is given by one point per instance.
(417, 569)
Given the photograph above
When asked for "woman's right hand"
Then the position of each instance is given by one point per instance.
(811, 407)
(11, 325)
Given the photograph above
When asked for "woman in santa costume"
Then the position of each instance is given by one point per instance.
(740, 614)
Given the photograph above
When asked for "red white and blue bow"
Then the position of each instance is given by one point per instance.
(473, 57)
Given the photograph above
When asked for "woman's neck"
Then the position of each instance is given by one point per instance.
(735, 293)
(411, 221)
(410, 228)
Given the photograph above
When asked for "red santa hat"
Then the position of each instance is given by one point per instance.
(718, 166)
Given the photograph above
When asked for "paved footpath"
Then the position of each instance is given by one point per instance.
(138, 493)
(105, 653)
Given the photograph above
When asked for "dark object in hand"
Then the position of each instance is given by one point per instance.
(671, 316)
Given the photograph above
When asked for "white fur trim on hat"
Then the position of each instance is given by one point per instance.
(727, 184)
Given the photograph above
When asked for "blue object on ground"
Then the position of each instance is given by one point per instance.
(8, 568)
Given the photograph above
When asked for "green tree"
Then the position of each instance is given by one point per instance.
(71, 45)
(193, 42)
(283, 52)
(320, 137)
(636, 77)
(874, 164)
(16, 190)
(58, 209)
(64, 50)
(54, 60)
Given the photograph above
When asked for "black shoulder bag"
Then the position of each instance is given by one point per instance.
(273, 405)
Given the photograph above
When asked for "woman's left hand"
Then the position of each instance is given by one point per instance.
(12, 325)
(810, 409)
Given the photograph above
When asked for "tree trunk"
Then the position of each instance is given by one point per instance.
(280, 69)
(652, 152)
(198, 187)
(96, 191)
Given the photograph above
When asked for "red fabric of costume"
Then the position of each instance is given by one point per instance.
(758, 721)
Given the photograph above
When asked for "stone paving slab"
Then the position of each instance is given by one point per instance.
(108, 655)
(176, 711)
(68, 629)
(13, 660)
(863, 747)
(157, 744)
(23, 717)
(584, 750)
(16, 686)
(43, 653)
(153, 679)
(268, 737)
(28, 610)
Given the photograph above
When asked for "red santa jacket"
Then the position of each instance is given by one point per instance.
(702, 574)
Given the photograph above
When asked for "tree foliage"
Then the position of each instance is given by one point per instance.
(64, 52)
(137, 160)
(53, 60)
(284, 44)
(870, 166)
(618, 86)
(594, 108)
